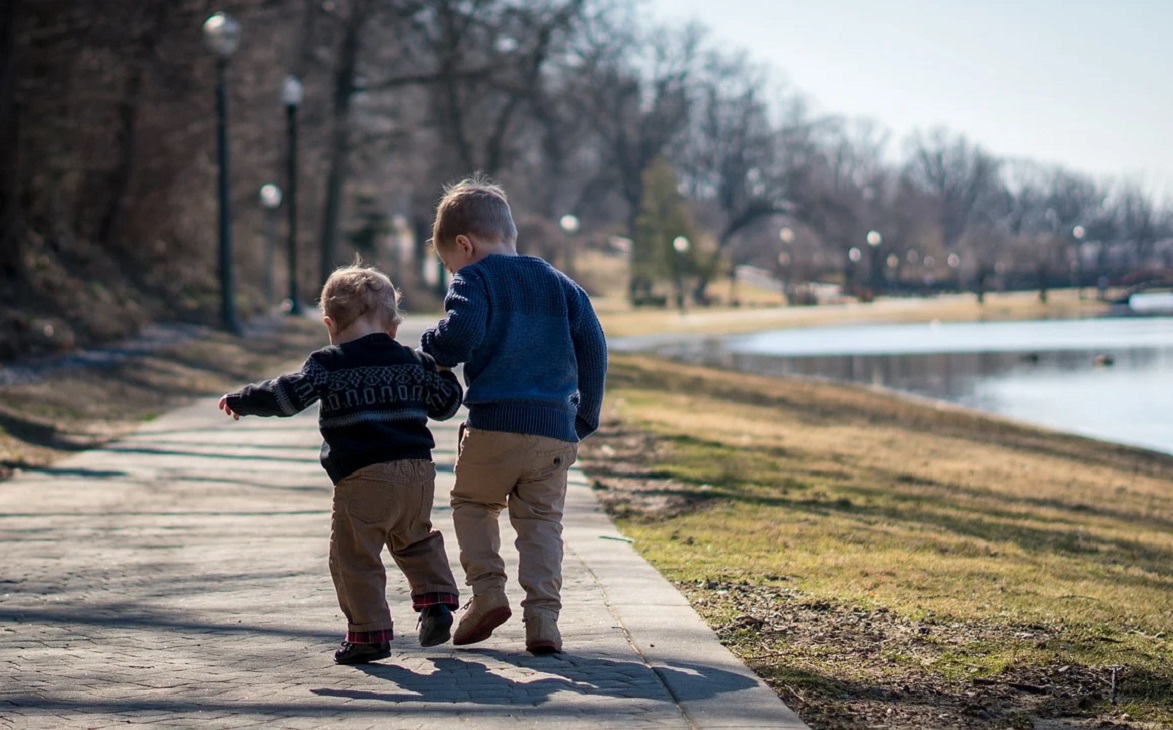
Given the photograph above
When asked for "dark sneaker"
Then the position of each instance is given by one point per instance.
(435, 625)
(361, 653)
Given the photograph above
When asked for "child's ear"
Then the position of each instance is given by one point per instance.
(467, 247)
(330, 324)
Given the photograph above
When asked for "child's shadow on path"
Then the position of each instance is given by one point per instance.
(459, 680)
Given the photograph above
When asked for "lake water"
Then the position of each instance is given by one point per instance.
(1109, 378)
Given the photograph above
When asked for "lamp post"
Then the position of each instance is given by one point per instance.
(292, 94)
(874, 240)
(569, 224)
(680, 246)
(270, 201)
(854, 255)
(1078, 233)
(222, 37)
(953, 261)
(786, 235)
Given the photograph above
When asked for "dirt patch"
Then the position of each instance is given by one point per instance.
(617, 459)
(846, 667)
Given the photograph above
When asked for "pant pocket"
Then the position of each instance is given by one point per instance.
(364, 500)
(550, 462)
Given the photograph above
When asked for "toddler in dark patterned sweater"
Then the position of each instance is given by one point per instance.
(376, 396)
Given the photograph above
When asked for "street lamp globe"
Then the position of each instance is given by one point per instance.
(292, 91)
(893, 261)
(786, 234)
(854, 255)
(222, 35)
(569, 224)
(681, 244)
(1079, 232)
(270, 196)
(953, 261)
(874, 238)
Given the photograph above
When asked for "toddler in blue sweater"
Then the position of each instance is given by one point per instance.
(534, 364)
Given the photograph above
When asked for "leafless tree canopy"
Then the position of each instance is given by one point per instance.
(108, 160)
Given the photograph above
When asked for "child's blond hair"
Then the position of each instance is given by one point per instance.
(474, 206)
(354, 291)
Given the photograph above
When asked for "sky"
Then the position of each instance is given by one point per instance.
(1087, 84)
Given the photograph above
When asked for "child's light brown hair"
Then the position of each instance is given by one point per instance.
(354, 291)
(474, 206)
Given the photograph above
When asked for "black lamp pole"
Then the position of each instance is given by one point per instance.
(292, 95)
(227, 274)
(270, 200)
(222, 36)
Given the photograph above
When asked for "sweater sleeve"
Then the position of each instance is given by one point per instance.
(286, 395)
(457, 336)
(590, 351)
(444, 394)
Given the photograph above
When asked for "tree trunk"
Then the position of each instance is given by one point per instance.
(9, 146)
(110, 227)
(700, 292)
(344, 76)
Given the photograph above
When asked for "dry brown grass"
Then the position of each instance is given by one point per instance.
(67, 409)
(940, 549)
(621, 320)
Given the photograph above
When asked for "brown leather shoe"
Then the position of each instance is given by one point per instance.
(542, 635)
(485, 613)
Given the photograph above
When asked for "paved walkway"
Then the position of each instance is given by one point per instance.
(178, 578)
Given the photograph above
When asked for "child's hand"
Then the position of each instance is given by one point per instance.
(228, 411)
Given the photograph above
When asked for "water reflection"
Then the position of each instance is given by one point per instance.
(1110, 379)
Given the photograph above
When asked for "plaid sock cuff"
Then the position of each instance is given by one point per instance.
(421, 601)
(370, 637)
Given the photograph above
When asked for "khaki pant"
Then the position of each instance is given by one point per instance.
(527, 474)
(385, 504)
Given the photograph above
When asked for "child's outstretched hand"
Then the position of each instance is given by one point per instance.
(228, 411)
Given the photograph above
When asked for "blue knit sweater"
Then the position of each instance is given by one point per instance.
(534, 355)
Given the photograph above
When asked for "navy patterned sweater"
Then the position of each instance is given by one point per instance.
(535, 358)
(376, 396)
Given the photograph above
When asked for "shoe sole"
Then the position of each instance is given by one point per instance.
(484, 629)
(540, 648)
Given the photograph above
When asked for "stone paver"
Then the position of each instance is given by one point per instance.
(178, 578)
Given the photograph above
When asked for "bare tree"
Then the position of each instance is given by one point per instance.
(735, 157)
(356, 16)
(1075, 202)
(959, 175)
(848, 191)
(10, 251)
(640, 105)
(1136, 221)
(568, 150)
(147, 21)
